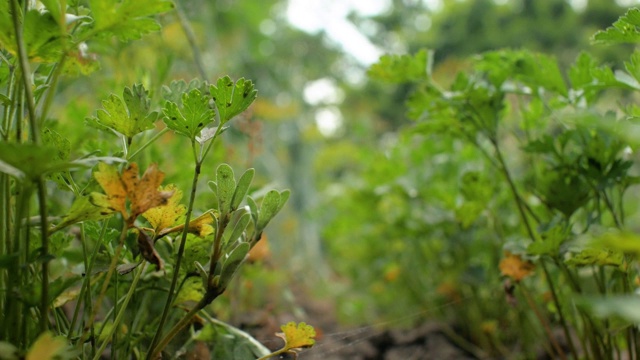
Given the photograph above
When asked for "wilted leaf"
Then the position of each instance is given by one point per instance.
(148, 251)
(515, 267)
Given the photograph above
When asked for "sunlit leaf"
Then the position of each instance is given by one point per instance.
(232, 99)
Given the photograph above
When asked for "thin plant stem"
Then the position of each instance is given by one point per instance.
(120, 314)
(525, 219)
(107, 279)
(44, 225)
(191, 38)
(176, 268)
(145, 145)
(184, 321)
(87, 277)
(35, 138)
(542, 320)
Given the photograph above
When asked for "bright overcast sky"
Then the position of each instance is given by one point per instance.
(330, 15)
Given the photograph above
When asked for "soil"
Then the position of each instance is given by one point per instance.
(427, 341)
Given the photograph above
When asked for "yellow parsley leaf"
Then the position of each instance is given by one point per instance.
(47, 347)
(297, 336)
(164, 216)
(200, 226)
(142, 192)
(115, 197)
(515, 267)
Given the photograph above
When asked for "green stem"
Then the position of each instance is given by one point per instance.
(191, 38)
(44, 225)
(88, 268)
(184, 321)
(105, 284)
(145, 145)
(122, 311)
(26, 72)
(542, 320)
(176, 268)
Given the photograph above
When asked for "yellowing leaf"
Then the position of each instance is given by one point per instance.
(143, 193)
(514, 267)
(109, 179)
(191, 291)
(47, 347)
(297, 336)
(200, 226)
(164, 216)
